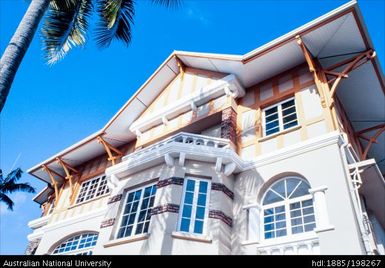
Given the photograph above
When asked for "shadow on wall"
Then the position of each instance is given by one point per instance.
(246, 189)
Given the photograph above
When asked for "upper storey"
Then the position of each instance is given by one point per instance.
(333, 52)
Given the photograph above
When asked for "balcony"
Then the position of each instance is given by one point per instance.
(176, 149)
(309, 246)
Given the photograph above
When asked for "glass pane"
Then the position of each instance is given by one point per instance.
(188, 198)
(147, 192)
(295, 213)
(203, 187)
(308, 219)
(279, 187)
(309, 227)
(307, 203)
(201, 200)
(198, 228)
(139, 228)
(280, 224)
(295, 205)
(146, 225)
(268, 219)
(280, 209)
(269, 211)
(269, 227)
(287, 104)
(142, 216)
(296, 221)
(308, 211)
(145, 203)
(200, 214)
(184, 226)
(271, 197)
(297, 229)
(281, 232)
(291, 124)
(130, 197)
(137, 195)
(288, 111)
(280, 217)
(291, 184)
(131, 219)
(128, 231)
(302, 189)
(271, 111)
(269, 235)
(187, 211)
(272, 131)
(190, 185)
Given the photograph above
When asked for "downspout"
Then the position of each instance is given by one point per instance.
(355, 196)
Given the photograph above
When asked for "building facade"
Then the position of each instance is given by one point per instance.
(279, 151)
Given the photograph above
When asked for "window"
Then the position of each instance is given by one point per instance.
(137, 211)
(194, 206)
(279, 117)
(287, 208)
(93, 188)
(81, 244)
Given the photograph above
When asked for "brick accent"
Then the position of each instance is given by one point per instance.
(173, 208)
(221, 187)
(217, 214)
(115, 198)
(172, 180)
(229, 125)
(107, 223)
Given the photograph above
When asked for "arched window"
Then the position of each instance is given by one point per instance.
(81, 244)
(287, 208)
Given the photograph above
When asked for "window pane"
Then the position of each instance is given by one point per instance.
(187, 211)
(302, 189)
(279, 188)
(189, 198)
(185, 224)
(201, 200)
(309, 227)
(280, 224)
(198, 228)
(291, 184)
(287, 104)
(271, 111)
(271, 197)
(297, 229)
(269, 235)
(203, 187)
(281, 233)
(200, 214)
(190, 185)
(82, 241)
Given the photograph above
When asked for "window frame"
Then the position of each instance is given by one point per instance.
(121, 212)
(288, 218)
(194, 205)
(100, 177)
(280, 117)
(77, 251)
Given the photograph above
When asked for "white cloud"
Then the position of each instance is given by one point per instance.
(194, 13)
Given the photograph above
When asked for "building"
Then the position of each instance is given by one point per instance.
(279, 151)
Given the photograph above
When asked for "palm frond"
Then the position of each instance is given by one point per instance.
(7, 201)
(116, 18)
(168, 3)
(65, 26)
(14, 175)
(9, 187)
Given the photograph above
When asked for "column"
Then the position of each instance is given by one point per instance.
(320, 209)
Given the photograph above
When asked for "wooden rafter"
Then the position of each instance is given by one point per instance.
(320, 80)
(352, 63)
(67, 170)
(51, 173)
(110, 150)
(372, 139)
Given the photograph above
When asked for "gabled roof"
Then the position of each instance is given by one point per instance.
(339, 32)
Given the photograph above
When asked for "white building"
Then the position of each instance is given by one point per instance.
(279, 151)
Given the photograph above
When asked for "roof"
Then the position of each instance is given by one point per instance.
(339, 32)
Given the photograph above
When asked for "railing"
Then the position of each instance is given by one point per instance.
(184, 138)
(300, 247)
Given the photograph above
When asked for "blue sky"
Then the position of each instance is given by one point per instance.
(50, 108)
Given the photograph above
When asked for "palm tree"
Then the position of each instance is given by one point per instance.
(9, 185)
(65, 27)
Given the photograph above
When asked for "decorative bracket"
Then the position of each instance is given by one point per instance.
(51, 173)
(373, 139)
(352, 63)
(68, 169)
(110, 150)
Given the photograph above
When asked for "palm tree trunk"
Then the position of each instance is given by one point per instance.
(17, 47)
